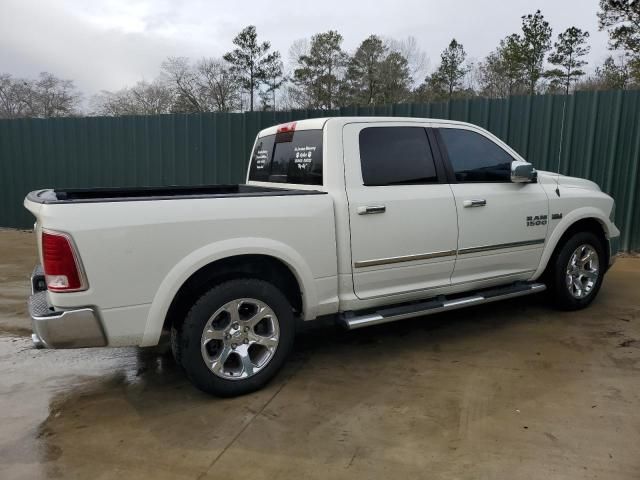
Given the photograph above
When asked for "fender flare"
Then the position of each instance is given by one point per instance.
(213, 252)
(565, 224)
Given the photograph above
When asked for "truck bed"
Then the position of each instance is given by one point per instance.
(98, 195)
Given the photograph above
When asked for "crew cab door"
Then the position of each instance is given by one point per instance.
(502, 225)
(401, 209)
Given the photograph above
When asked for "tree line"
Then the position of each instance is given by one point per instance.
(320, 74)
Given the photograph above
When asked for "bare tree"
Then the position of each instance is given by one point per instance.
(142, 99)
(217, 85)
(178, 72)
(298, 48)
(207, 86)
(54, 97)
(13, 96)
(45, 97)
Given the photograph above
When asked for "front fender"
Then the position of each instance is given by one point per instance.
(565, 223)
(213, 252)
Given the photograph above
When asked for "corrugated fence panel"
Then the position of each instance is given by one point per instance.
(600, 138)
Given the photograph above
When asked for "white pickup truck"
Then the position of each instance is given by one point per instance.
(366, 220)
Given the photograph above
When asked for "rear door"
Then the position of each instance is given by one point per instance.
(502, 225)
(401, 210)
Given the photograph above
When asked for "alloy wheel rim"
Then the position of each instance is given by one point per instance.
(582, 271)
(240, 339)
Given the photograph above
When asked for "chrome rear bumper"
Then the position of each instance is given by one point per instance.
(52, 328)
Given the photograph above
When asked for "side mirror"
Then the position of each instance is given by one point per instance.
(523, 172)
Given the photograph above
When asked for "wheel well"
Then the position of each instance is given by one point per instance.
(262, 267)
(584, 225)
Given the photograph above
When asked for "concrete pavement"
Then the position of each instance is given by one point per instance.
(512, 390)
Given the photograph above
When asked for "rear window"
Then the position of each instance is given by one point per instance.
(290, 157)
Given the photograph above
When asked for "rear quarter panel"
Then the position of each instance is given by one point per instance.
(138, 254)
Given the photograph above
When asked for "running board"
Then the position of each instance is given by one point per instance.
(439, 304)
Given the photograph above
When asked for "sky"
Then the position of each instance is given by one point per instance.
(108, 44)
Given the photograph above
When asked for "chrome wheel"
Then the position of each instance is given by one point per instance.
(582, 271)
(240, 338)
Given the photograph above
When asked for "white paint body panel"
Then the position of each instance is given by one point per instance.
(418, 220)
(137, 254)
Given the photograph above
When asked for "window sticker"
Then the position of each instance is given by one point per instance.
(261, 159)
(304, 157)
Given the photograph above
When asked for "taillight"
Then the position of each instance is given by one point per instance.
(61, 268)
(287, 127)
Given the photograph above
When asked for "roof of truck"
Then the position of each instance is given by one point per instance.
(318, 123)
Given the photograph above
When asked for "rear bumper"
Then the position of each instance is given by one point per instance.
(74, 328)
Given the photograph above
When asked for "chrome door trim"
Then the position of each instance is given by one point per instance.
(446, 253)
(500, 246)
(405, 258)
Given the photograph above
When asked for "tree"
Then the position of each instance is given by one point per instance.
(535, 43)
(177, 71)
(375, 75)
(502, 71)
(54, 97)
(320, 72)
(250, 59)
(614, 76)
(206, 86)
(611, 75)
(142, 99)
(569, 51)
(416, 58)
(14, 93)
(364, 80)
(217, 86)
(447, 79)
(45, 97)
(621, 18)
(395, 76)
(273, 79)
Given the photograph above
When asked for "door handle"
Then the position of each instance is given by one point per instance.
(371, 209)
(474, 203)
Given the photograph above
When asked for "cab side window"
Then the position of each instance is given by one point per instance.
(474, 157)
(396, 156)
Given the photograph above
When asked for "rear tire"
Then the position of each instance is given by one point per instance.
(577, 271)
(236, 337)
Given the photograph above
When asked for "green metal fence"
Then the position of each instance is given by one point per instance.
(601, 142)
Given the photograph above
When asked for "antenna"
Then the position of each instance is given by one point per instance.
(564, 108)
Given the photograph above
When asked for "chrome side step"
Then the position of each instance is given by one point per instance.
(440, 304)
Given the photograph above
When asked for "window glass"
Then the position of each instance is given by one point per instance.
(261, 159)
(475, 158)
(292, 157)
(396, 155)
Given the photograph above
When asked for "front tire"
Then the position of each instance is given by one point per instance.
(236, 337)
(577, 271)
